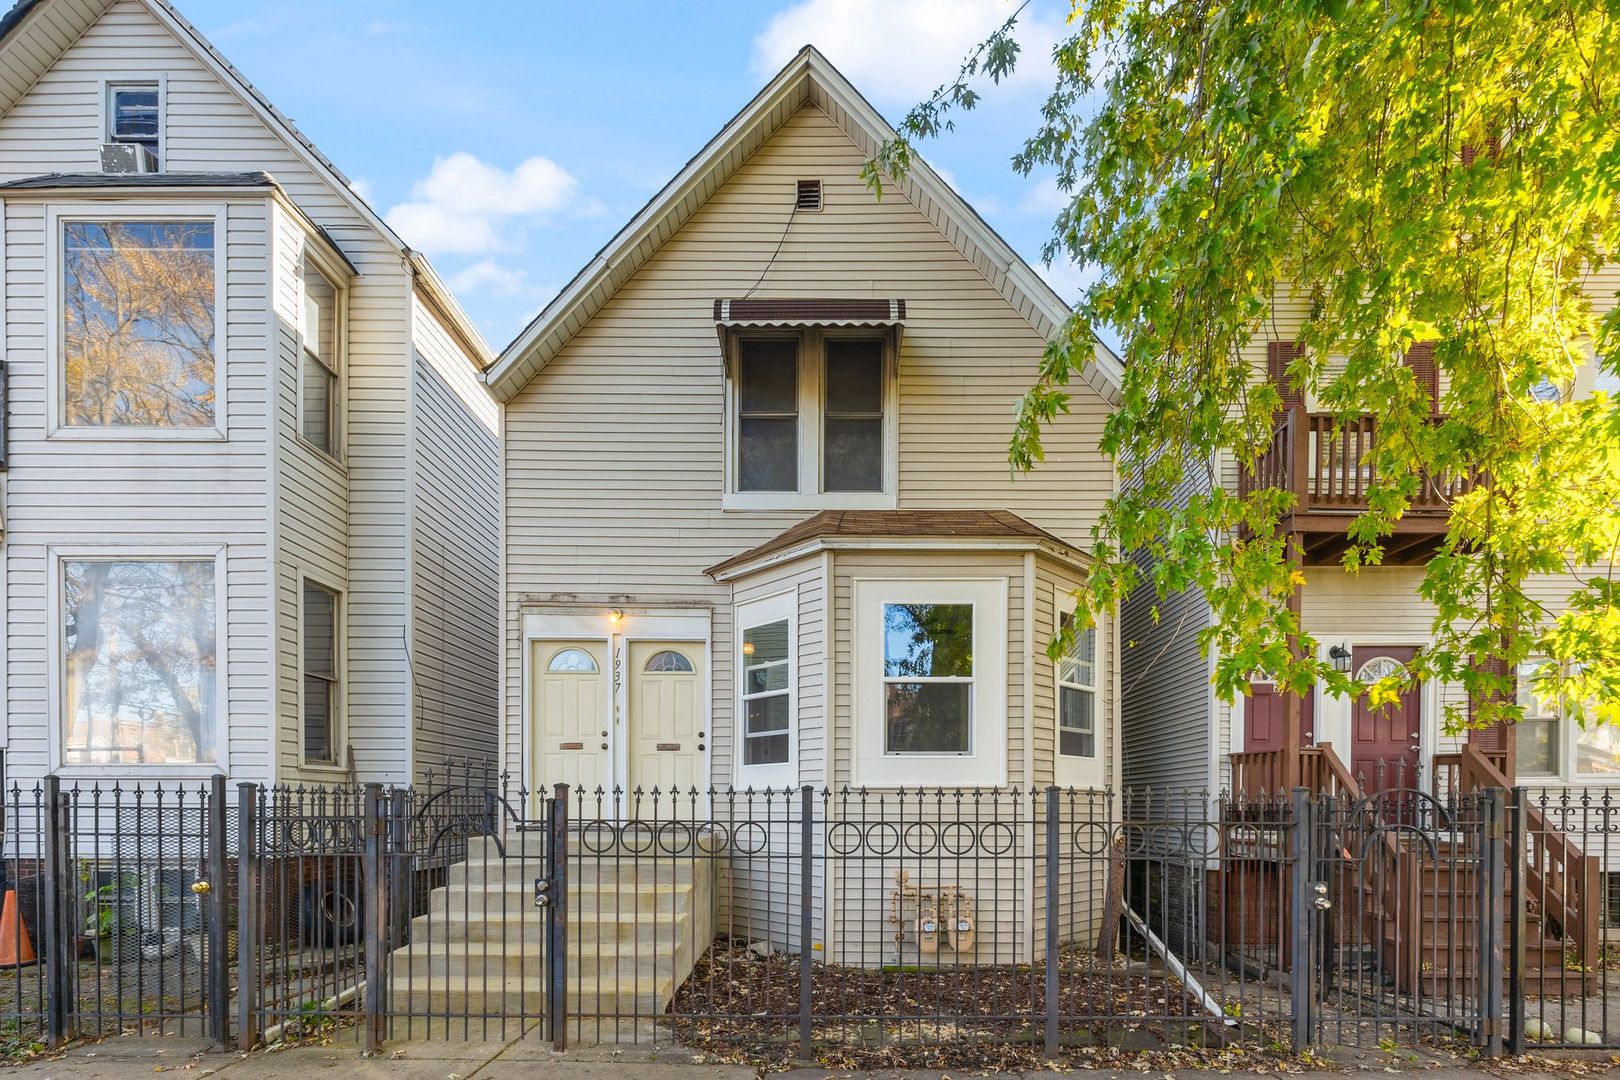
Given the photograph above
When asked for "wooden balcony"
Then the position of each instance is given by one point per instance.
(1324, 462)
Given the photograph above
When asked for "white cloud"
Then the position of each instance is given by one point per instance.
(900, 50)
(467, 207)
(488, 275)
(362, 187)
(1067, 279)
(1044, 197)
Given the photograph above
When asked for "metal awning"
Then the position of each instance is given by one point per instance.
(777, 312)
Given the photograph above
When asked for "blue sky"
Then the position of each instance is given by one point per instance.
(510, 140)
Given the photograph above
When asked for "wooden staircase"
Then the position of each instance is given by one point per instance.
(1419, 898)
(635, 929)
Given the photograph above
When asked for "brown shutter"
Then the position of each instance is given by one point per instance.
(1279, 354)
(1420, 358)
(1495, 737)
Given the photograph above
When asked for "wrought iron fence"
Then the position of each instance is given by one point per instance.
(787, 922)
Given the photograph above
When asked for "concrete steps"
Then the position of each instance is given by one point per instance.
(636, 925)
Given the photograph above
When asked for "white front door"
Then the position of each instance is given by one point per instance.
(667, 740)
(571, 715)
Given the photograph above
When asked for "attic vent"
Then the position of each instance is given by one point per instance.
(809, 197)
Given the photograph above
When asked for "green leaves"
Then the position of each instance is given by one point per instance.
(1355, 178)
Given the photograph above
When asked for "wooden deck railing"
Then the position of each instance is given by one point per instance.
(1261, 772)
(1325, 463)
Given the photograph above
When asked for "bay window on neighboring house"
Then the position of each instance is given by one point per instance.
(812, 422)
(930, 662)
(322, 690)
(768, 695)
(1077, 693)
(318, 376)
(139, 671)
(1560, 746)
(138, 331)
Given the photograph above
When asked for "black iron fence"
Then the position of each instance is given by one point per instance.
(784, 923)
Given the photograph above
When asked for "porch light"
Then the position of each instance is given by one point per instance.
(614, 616)
(1340, 657)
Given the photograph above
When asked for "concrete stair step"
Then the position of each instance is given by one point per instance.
(583, 897)
(529, 926)
(475, 967)
(646, 871)
(641, 996)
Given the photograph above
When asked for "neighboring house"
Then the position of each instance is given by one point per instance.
(251, 489)
(1179, 736)
(760, 529)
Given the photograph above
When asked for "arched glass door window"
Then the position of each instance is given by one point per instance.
(572, 660)
(668, 662)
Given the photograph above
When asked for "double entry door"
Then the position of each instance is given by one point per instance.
(635, 724)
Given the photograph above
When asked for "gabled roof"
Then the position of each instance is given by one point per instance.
(860, 528)
(35, 33)
(808, 79)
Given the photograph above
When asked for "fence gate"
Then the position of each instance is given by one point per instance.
(1401, 918)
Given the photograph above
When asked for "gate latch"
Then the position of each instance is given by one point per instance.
(542, 892)
(1320, 901)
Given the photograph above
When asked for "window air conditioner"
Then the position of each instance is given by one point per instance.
(123, 157)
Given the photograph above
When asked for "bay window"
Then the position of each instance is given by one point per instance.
(321, 682)
(139, 672)
(138, 325)
(318, 375)
(768, 699)
(930, 668)
(1077, 693)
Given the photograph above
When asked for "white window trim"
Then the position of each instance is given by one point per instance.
(109, 83)
(56, 318)
(1568, 771)
(340, 721)
(1095, 690)
(812, 416)
(56, 656)
(985, 764)
(779, 607)
(339, 281)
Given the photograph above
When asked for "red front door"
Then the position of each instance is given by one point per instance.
(1384, 741)
(1266, 714)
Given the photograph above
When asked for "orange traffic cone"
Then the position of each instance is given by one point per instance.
(16, 949)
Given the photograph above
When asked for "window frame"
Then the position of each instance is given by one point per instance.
(57, 558)
(340, 712)
(136, 80)
(812, 403)
(58, 215)
(777, 607)
(310, 258)
(985, 762)
(1095, 690)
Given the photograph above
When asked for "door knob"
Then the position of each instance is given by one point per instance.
(700, 746)
(604, 735)
(1414, 748)
(604, 746)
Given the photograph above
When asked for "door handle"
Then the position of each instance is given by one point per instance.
(604, 746)
(1415, 748)
(604, 735)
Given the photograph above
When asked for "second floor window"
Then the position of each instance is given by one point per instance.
(138, 324)
(811, 418)
(318, 377)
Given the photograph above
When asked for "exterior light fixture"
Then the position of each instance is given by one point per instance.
(1340, 657)
(615, 616)
(748, 648)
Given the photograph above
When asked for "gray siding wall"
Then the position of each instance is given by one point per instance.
(455, 551)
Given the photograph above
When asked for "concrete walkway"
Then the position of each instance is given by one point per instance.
(530, 1059)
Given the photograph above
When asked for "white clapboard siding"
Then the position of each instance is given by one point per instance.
(614, 452)
(455, 551)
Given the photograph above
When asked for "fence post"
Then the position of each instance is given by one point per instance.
(1492, 915)
(218, 986)
(58, 942)
(1052, 833)
(807, 836)
(1302, 986)
(247, 916)
(376, 918)
(400, 886)
(1517, 849)
(557, 915)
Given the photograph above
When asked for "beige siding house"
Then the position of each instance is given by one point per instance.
(252, 527)
(759, 525)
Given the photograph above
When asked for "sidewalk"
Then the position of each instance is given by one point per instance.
(523, 1058)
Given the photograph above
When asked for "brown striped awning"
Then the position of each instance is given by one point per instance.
(819, 312)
